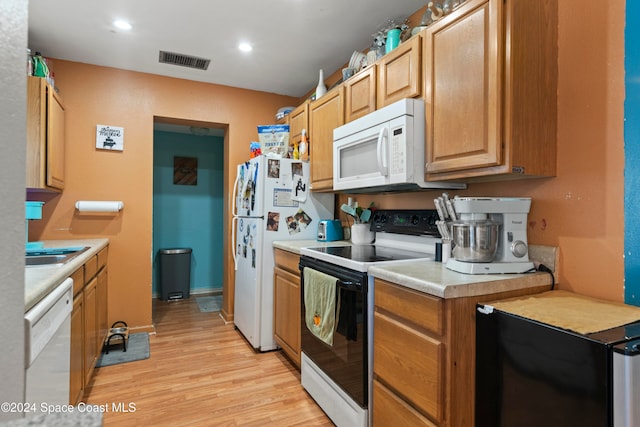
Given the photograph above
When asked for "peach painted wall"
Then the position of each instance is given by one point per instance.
(98, 95)
(580, 210)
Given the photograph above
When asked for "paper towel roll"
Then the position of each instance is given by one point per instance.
(99, 205)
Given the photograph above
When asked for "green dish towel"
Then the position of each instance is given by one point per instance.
(320, 304)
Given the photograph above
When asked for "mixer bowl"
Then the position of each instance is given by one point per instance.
(474, 240)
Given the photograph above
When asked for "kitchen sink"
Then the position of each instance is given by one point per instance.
(52, 256)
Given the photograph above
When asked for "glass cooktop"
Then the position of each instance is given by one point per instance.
(370, 253)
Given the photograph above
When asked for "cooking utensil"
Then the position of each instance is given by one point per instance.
(474, 240)
(349, 210)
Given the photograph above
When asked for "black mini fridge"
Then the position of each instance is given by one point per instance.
(533, 373)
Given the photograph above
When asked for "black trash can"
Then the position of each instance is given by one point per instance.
(175, 273)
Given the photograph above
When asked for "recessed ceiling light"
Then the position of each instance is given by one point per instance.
(123, 25)
(245, 47)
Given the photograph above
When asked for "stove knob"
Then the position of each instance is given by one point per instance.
(415, 220)
(383, 218)
(519, 248)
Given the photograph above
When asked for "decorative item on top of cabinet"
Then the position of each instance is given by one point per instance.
(45, 136)
(424, 356)
(286, 299)
(325, 114)
(399, 73)
(360, 94)
(299, 121)
(491, 91)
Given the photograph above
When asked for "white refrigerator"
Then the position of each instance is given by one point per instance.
(271, 201)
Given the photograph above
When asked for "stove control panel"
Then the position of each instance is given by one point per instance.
(406, 221)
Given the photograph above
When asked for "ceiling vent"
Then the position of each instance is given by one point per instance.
(184, 60)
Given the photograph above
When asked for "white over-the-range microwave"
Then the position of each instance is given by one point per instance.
(383, 151)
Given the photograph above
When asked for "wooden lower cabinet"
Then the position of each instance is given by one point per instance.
(286, 284)
(76, 382)
(102, 308)
(89, 322)
(424, 356)
(90, 332)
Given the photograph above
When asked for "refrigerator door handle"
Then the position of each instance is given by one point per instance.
(233, 242)
(234, 200)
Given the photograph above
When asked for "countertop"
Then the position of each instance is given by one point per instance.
(40, 280)
(433, 277)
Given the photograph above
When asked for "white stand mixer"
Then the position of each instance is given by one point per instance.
(512, 253)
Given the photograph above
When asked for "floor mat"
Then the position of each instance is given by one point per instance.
(209, 304)
(137, 349)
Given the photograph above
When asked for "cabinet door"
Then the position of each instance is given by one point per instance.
(36, 132)
(410, 363)
(287, 312)
(45, 136)
(400, 74)
(463, 76)
(90, 329)
(325, 114)
(298, 120)
(103, 308)
(55, 140)
(360, 94)
(76, 374)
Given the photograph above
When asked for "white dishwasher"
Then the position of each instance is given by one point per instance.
(47, 351)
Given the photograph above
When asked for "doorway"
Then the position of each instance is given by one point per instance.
(188, 199)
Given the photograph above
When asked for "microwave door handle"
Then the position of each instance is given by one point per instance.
(382, 152)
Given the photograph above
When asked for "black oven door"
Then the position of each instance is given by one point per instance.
(345, 362)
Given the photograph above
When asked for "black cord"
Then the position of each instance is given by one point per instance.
(546, 269)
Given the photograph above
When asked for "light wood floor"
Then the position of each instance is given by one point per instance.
(203, 373)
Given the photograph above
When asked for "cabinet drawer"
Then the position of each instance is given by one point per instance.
(102, 259)
(78, 280)
(90, 268)
(390, 410)
(409, 363)
(422, 309)
(287, 260)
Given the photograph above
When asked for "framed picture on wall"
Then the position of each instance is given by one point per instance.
(185, 170)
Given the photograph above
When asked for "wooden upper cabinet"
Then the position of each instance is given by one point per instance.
(298, 120)
(490, 89)
(399, 73)
(45, 136)
(360, 94)
(325, 114)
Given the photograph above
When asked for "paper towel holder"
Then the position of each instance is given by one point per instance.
(99, 206)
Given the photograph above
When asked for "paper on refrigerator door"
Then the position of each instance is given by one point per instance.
(299, 188)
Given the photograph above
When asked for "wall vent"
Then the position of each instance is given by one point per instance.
(183, 60)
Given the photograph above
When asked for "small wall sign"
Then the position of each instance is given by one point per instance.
(109, 138)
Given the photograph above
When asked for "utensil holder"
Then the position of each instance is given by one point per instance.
(361, 234)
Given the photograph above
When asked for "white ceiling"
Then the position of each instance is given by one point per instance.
(292, 39)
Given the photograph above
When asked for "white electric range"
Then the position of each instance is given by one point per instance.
(339, 376)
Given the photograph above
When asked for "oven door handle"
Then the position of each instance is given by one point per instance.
(351, 286)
